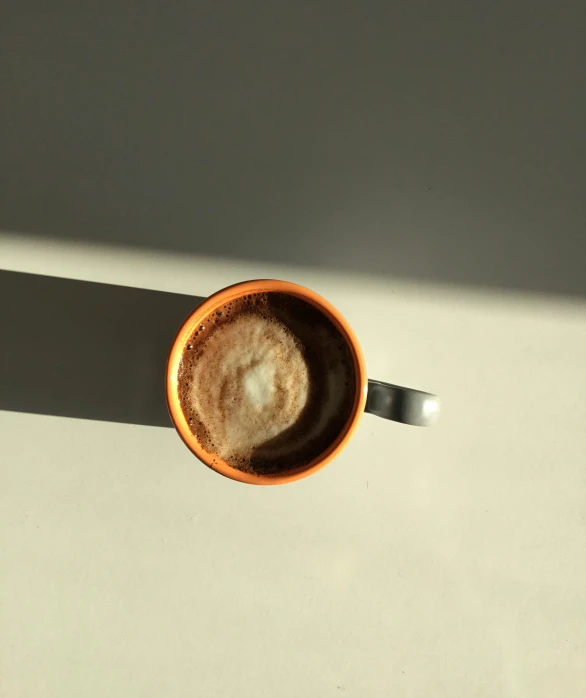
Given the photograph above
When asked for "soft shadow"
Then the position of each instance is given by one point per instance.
(88, 350)
(434, 142)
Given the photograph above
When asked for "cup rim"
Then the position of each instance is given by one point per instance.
(202, 311)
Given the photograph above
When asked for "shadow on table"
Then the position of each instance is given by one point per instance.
(88, 350)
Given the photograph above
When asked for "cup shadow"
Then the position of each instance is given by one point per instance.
(87, 350)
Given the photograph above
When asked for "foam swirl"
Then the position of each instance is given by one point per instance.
(250, 384)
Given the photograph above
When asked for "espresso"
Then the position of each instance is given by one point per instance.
(267, 383)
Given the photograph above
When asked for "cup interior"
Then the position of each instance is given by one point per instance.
(198, 317)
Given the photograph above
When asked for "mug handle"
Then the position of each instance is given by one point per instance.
(402, 404)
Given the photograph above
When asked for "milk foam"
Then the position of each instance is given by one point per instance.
(250, 384)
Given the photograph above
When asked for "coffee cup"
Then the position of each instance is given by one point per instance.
(248, 312)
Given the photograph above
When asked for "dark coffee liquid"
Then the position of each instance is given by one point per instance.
(267, 383)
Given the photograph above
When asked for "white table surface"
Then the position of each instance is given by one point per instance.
(423, 563)
(445, 561)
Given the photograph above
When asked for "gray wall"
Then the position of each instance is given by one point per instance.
(440, 141)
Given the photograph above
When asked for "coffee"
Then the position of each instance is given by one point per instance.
(267, 383)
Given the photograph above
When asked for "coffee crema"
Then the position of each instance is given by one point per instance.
(266, 383)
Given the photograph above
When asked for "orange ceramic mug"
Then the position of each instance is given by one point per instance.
(382, 399)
